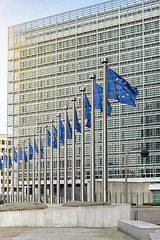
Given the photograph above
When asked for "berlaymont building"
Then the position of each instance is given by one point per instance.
(50, 59)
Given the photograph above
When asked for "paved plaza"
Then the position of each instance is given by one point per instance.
(62, 234)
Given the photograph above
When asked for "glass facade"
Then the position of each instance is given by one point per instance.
(51, 58)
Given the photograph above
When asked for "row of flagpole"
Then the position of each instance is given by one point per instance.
(120, 90)
(104, 167)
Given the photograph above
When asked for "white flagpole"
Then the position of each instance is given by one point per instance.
(65, 159)
(8, 175)
(18, 174)
(13, 174)
(82, 149)
(73, 153)
(45, 167)
(51, 165)
(33, 171)
(39, 169)
(28, 173)
(23, 172)
(105, 160)
(92, 142)
(3, 183)
(58, 159)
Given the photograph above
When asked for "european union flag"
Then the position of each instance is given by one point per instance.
(41, 148)
(118, 88)
(20, 153)
(35, 146)
(54, 137)
(61, 132)
(10, 162)
(15, 155)
(98, 99)
(87, 111)
(30, 151)
(5, 159)
(77, 124)
(69, 129)
(48, 138)
(25, 157)
(1, 165)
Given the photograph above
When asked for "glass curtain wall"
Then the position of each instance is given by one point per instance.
(51, 58)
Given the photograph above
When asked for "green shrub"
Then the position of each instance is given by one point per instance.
(1, 202)
(151, 204)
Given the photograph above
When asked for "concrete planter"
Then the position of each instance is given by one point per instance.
(58, 216)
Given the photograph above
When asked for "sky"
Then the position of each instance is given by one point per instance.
(19, 11)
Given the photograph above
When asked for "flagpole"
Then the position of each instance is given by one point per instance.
(45, 167)
(65, 158)
(105, 160)
(83, 89)
(73, 152)
(13, 174)
(39, 169)
(28, 173)
(3, 177)
(33, 171)
(51, 165)
(18, 174)
(23, 172)
(8, 176)
(58, 159)
(92, 142)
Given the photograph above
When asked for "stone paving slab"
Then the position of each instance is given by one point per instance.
(73, 234)
(10, 233)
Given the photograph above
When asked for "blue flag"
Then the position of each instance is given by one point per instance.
(10, 162)
(118, 88)
(87, 111)
(98, 99)
(77, 124)
(25, 157)
(61, 132)
(69, 129)
(1, 165)
(15, 155)
(48, 138)
(30, 151)
(35, 146)
(20, 153)
(5, 159)
(54, 137)
(41, 148)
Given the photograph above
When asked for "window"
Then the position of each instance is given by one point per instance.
(156, 196)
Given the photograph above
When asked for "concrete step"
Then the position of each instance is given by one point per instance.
(138, 229)
(155, 236)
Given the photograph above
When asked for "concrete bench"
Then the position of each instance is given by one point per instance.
(138, 229)
(155, 236)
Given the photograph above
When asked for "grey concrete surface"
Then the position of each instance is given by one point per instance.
(58, 216)
(154, 236)
(138, 229)
(10, 233)
(73, 234)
